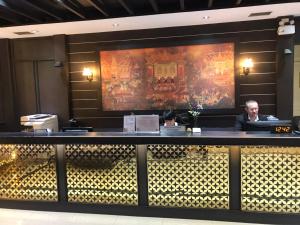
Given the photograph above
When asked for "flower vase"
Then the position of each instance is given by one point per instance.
(195, 128)
(195, 121)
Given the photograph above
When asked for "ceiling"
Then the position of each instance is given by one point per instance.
(50, 17)
(24, 12)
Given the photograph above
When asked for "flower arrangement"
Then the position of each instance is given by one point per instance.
(195, 109)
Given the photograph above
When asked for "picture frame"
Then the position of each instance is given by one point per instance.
(166, 45)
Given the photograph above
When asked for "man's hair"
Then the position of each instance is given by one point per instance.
(169, 115)
(249, 102)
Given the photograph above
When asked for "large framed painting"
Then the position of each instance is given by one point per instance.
(160, 78)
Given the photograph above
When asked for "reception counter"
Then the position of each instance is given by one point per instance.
(231, 176)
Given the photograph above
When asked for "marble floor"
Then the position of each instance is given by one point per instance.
(26, 217)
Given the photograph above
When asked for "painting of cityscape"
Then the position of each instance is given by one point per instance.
(168, 77)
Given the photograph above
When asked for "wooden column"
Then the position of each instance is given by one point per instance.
(61, 63)
(7, 112)
(285, 72)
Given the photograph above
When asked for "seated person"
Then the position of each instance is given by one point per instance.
(169, 119)
(250, 114)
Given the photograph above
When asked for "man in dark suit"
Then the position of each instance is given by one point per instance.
(250, 114)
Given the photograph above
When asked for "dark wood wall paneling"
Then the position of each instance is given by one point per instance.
(7, 113)
(41, 76)
(285, 78)
(257, 40)
(297, 36)
(2, 78)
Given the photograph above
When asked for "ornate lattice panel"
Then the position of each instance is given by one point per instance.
(188, 176)
(28, 172)
(105, 174)
(270, 179)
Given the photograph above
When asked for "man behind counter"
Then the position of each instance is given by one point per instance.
(169, 118)
(250, 114)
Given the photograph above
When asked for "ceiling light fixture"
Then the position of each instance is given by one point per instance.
(25, 32)
(260, 14)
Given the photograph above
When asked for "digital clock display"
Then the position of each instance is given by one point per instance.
(282, 129)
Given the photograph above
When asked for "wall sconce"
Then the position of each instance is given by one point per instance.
(88, 73)
(247, 65)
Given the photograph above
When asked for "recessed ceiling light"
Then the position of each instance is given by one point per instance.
(260, 14)
(115, 24)
(205, 17)
(25, 32)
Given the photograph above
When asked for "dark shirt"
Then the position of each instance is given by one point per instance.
(241, 121)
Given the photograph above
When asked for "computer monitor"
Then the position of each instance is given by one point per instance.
(147, 123)
(265, 125)
(296, 123)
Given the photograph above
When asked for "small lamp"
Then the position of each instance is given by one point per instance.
(88, 73)
(247, 65)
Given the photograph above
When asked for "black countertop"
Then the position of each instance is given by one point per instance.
(204, 138)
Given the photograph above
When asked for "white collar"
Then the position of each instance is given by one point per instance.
(176, 124)
(256, 119)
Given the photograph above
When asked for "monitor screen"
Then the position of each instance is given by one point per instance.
(147, 123)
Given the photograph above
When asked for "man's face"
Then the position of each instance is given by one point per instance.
(252, 109)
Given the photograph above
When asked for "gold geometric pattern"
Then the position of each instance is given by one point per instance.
(28, 172)
(193, 176)
(104, 174)
(270, 179)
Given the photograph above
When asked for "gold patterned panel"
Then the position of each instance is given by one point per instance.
(270, 179)
(28, 172)
(188, 176)
(105, 174)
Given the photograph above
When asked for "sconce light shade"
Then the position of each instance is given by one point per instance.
(247, 65)
(88, 73)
